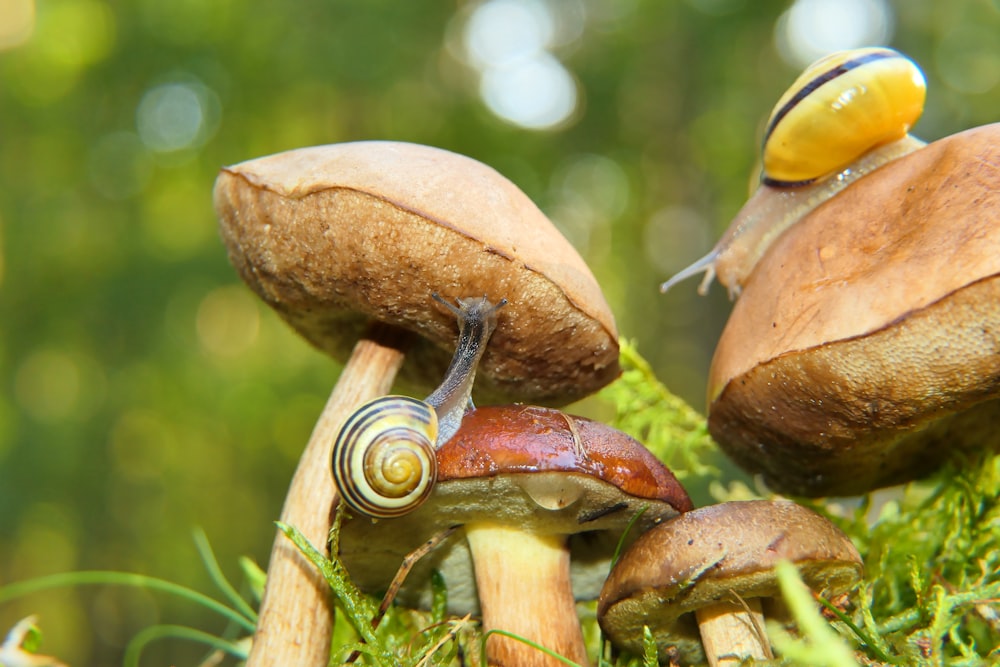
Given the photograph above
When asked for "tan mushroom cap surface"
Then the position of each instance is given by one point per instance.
(335, 236)
(698, 557)
(530, 467)
(865, 345)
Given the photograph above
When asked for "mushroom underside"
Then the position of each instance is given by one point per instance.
(594, 509)
(873, 410)
(329, 280)
(668, 611)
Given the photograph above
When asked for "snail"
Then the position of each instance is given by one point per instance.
(848, 114)
(384, 462)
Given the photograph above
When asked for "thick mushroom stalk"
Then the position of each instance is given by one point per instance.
(524, 585)
(732, 631)
(292, 615)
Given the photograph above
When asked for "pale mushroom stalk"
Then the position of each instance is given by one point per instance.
(732, 631)
(524, 585)
(369, 373)
(296, 615)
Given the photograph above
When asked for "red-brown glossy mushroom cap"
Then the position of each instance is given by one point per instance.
(701, 557)
(532, 467)
(334, 237)
(864, 346)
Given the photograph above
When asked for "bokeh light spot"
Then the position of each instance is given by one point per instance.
(175, 222)
(47, 385)
(536, 94)
(17, 22)
(227, 321)
(75, 33)
(589, 193)
(175, 116)
(502, 32)
(139, 444)
(810, 29)
(509, 42)
(674, 236)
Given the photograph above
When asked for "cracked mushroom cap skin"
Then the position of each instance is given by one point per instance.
(864, 347)
(333, 237)
(696, 559)
(533, 467)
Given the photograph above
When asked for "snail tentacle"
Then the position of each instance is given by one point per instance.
(384, 458)
(706, 264)
(477, 319)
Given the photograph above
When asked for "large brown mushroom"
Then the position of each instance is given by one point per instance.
(542, 498)
(714, 565)
(864, 347)
(347, 243)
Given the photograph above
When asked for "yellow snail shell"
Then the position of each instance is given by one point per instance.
(845, 116)
(384, 460)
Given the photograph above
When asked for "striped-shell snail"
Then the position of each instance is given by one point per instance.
(848, 114)
(384, 462)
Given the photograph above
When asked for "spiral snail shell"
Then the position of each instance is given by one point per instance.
(384, 460)
(848, 114)
(384, 457)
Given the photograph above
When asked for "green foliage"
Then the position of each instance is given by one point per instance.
(241, 616)
(670, 428)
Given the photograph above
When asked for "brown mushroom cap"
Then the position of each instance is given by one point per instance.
(333, 237)
(531, 467)
(699, 557)
(864, 346)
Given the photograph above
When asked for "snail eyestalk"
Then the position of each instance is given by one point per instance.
(384, 457)
(706, 264)
(477, 318)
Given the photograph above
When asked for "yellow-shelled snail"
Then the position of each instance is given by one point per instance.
(383, 460)
(848, 114)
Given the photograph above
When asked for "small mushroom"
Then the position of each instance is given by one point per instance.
(863, 349)
(347, 243)
(713, 565)
(543, 498)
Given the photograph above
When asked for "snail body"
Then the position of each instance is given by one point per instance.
(848, 114)
(384, 457)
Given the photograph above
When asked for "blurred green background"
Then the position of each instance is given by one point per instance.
(144, 390)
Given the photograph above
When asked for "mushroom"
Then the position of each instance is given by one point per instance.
(718, 562)
(863, 349)
(542, 498)
(347, 243)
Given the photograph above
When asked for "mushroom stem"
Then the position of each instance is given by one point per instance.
(732, 632)
(523, 581)
(296, 616)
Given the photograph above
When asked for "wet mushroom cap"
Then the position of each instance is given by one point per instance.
(697, 558)
(531, 467)
(864, 346)
(333, 237)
